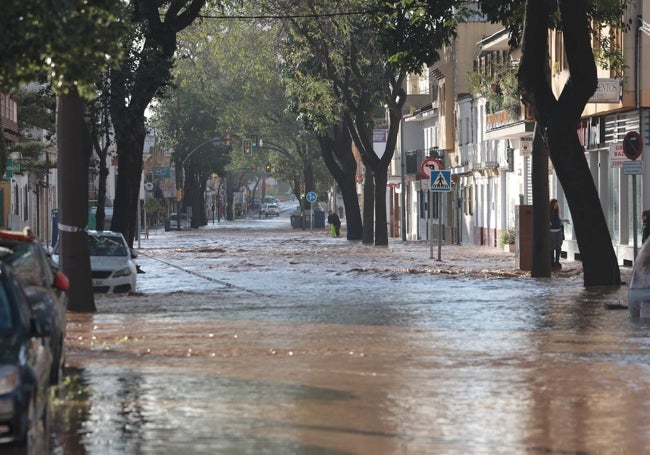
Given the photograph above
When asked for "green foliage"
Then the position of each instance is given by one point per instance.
(499, 86)
(67, 43)
(601, 12)
(36, 108)
(403, 26)
(610, 56)
(507, 237)
(153, 206)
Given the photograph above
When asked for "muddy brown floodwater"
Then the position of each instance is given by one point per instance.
(248, 338)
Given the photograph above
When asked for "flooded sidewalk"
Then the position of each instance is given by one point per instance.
(253, 338)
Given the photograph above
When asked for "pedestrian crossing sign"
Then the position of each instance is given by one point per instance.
(440, 181)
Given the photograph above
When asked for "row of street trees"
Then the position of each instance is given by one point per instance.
(339, 65)
(73, 45)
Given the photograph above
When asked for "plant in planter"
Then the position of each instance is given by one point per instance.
(507, 239)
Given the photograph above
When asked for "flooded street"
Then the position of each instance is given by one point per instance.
(250, 337)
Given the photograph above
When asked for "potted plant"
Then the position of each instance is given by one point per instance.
(507, 239)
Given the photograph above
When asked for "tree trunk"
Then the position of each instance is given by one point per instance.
(74, 149)
(336, 150)
(368, 207)
(541, 264)
(557, 122)
(381, 228)
(129, 161)
(354, 226)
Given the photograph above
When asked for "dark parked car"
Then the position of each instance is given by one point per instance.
(44, 285)
(25, 363)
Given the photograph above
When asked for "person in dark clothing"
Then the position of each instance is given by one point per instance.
(557, 233)
(646, 225)
(334, 220)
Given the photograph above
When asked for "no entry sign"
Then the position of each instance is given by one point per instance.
(430, 164)
(632, 145)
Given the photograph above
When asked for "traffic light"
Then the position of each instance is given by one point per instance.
(228, 140)
(267, 168)
(254, 140)
(248, 147)
(179, 195)
(254, 168)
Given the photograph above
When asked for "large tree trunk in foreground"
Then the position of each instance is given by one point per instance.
(557, 122)
(74, 150)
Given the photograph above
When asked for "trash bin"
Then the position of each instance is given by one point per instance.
(300, 219)
(319, 219)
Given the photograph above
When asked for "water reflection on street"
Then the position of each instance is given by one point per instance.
(323, 362)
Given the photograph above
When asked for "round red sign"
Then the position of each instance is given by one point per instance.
(632, 145)
(430, 164)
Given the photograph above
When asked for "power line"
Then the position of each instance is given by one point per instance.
(291, 16)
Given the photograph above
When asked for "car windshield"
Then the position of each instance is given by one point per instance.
(104, 245)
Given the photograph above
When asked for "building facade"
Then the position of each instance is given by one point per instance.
(488, 150)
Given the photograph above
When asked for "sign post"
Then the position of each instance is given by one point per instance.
(311, 198)
(632, 147)
(440, 183)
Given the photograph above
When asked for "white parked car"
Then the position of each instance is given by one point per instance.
(270, 209)
(111, 262)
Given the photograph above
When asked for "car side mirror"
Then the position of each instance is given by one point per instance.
(61, 281)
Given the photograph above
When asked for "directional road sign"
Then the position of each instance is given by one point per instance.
(311, 197)
(441, 181)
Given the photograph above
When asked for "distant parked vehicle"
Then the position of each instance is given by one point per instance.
(25, 363)
(44, 285)
(176, 222)
(270, 209)
(111, 262)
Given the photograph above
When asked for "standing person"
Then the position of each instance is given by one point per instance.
(334, 220)
(557, 233)
(646, 225)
